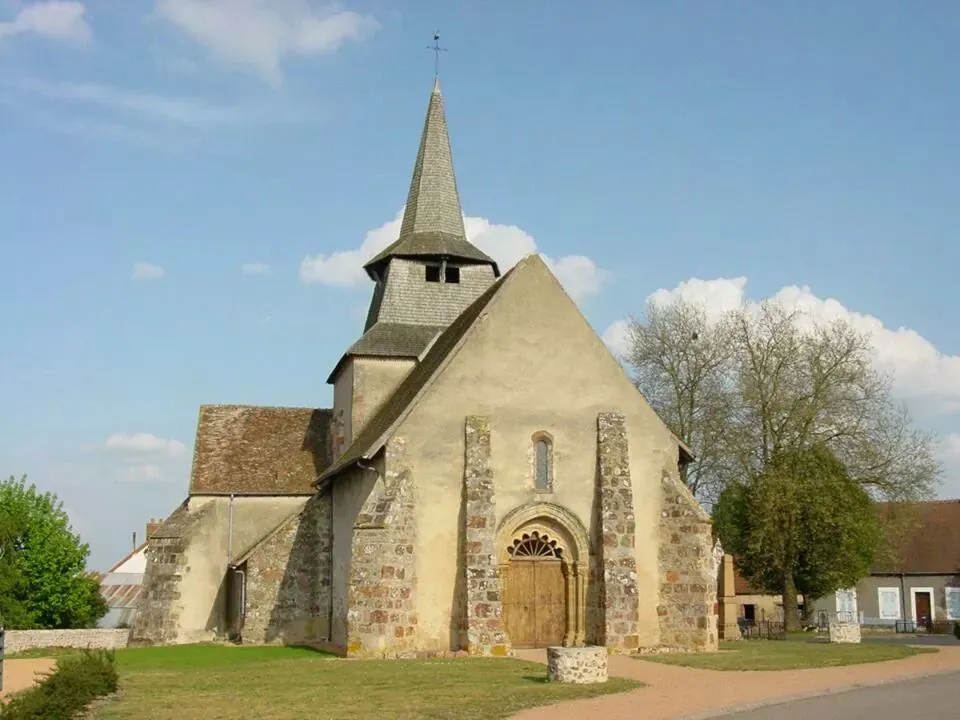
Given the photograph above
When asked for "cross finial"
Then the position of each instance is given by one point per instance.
(436, 53)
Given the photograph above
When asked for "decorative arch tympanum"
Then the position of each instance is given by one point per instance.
(543, 553)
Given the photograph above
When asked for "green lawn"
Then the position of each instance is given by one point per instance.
(790, 654)
(205, 682)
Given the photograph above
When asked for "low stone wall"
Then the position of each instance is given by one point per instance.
(95, 639)
(843, 632)
(578, 665)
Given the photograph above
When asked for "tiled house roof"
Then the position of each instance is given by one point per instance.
(928, 541)
(265, 450)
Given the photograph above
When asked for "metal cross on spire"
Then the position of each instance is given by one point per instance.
(436, 53)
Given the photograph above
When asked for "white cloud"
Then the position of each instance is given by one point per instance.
(55, 20)
(256, 35)
(143, 442)
(255, 268)
(506, 244)
(147, 271)
(143, 472)
(617, 338)
(919, 369)
(186, 111)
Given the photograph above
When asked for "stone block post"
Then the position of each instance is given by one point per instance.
(727, 620)
(382, 620)
(485, 633)
(618, 529)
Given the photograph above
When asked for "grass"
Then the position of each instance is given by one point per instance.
(789, 654)
(200, 682)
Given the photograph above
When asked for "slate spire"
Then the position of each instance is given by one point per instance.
(432, 220)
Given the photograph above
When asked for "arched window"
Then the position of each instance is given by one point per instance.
(542, 462)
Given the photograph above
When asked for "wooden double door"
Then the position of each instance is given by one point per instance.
(535, 603)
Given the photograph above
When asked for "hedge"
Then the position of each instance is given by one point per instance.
(74, 683)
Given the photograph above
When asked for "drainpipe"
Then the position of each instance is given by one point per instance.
(903, 601)
(230, 531)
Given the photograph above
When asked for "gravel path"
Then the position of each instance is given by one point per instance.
(677, 692)
(20, 674)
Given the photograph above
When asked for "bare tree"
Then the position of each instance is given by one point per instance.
(683, 364)
(764, 380)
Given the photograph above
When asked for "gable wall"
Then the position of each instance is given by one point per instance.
(532, 364)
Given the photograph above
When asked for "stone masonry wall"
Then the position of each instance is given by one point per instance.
(382, 617)
(688, 589)
(483, 617)
(288, 580)
(618, 531)
(93, 638)
(158, 614)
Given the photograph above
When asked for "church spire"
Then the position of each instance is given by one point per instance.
(432, 219)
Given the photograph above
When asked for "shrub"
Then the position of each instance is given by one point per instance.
(956, 629)
(73, 684)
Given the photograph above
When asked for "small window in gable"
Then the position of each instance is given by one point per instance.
(543, 463)
(433, 273)
(451, 274)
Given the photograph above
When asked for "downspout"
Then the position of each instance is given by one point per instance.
(230, 531)
(903, 601)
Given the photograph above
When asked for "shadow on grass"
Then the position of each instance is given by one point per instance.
(538, 679)
(314, 650)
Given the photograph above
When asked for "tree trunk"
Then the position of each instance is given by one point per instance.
(790, 619)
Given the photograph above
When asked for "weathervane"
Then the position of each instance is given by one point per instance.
(436, 53)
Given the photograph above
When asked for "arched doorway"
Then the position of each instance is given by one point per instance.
(542, 552)
(535, 597)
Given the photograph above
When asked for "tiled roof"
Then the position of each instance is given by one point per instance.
(246, 449)
(929, 539)
(393, 340)
(432, 219)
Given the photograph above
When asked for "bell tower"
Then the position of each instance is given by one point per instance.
(422, 282)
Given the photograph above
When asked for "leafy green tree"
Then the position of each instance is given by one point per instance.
(803, 525)
(42, 562)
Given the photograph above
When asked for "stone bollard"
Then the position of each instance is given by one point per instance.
(844, 632)
(580, 665)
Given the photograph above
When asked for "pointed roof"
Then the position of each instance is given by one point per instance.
(432, 219)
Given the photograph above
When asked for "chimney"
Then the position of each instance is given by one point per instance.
(152, 527)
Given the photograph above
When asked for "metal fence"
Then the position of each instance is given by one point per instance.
(762, 630)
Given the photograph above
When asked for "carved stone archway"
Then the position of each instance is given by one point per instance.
(549, 530)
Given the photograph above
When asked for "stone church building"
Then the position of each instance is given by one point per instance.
(488, 477)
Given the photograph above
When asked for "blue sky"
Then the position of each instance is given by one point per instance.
(188, 188)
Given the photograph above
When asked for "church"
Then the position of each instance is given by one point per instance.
(488, 477)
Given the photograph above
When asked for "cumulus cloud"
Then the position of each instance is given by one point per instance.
(147, 271)
(506, 244)
(256, 35)
(255, 268)
(919, 369)
(144, 442)
(59, 20)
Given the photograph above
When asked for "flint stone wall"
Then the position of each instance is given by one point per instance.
(93, 638)
(844, 632)
(577, 665)
(483, 618)
(620, 598)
